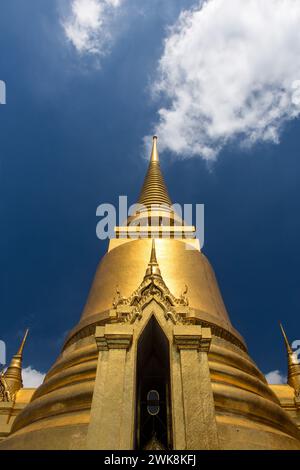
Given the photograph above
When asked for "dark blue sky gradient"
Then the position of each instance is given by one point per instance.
(71, 138)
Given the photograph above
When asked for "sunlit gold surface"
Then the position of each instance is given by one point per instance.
(245, 412)
(286, 396)
(179, 267)
(9, 410)
(248, 412)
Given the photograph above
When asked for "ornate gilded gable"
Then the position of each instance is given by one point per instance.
(152, 287)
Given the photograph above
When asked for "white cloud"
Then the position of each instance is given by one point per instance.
(114, 3)
(32, 378)
(230, 71)
(89, 25)
(276, 377)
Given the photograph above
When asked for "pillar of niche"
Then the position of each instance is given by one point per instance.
(107, 426)
(193, 343)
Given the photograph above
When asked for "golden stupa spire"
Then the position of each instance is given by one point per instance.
(154, 215)
(13, 374)
(154, 190)
(293, 366)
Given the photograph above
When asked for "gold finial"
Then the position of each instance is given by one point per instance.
(13, 374)
(21, 348)
(154, 153)
(288, 347)
(293, 368)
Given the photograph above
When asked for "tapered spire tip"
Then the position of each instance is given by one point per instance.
(20, 352)
(154, 153)
(293, 367)
(288, 346)
(153, 259)
(154, 191)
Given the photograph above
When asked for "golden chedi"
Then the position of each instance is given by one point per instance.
(154, 362)
(13, 396)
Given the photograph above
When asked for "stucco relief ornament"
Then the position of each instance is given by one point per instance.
(183, 298)
(297, 397)
(118, 299)
(133, 316)
(4, 392)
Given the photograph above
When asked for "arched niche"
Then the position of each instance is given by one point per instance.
(153, 375)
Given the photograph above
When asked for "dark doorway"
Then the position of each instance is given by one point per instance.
(153, 407)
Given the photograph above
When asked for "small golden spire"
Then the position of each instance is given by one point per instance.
(153, 259)
(13, 374)
(153, 268)
(288, 346)
(154, 190)
(293, 366)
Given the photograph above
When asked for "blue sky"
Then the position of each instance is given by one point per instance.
(72, 137)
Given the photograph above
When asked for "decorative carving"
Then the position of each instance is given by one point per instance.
(152, 287)
(183, 298)
(133, 316)
(297, 397)
(169, 315)
(4, 391)
(193, 337)
(113, 337)
(118, 299)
